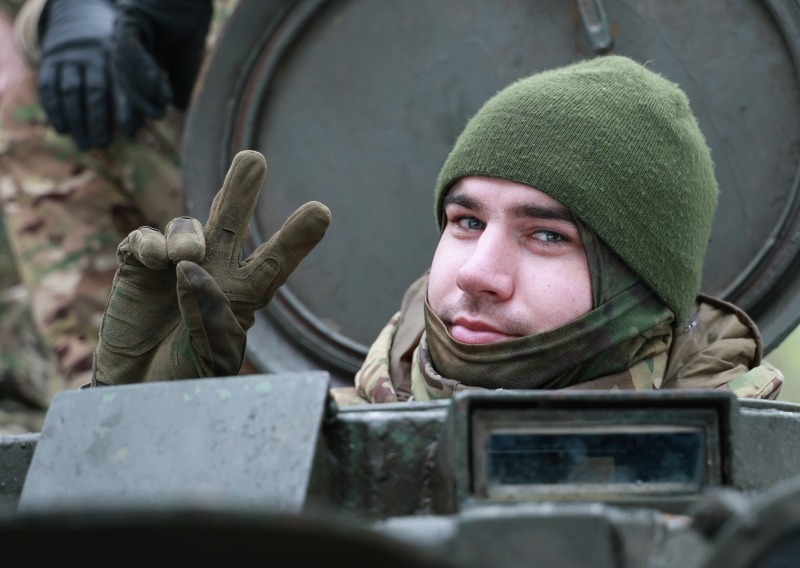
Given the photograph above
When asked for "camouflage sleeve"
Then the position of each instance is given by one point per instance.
(26, 30)
(373, 382)
(718, 344)
(346, 396)
(764, 381)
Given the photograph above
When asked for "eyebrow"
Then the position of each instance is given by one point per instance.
(556, 213)
(464, 201)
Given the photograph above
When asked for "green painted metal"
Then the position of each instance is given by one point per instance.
(402, 469)
(16, 453)
(763, 532)
(245, 441)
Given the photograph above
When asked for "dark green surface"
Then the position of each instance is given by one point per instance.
(763, 532)
(382, 458)
(372, 462)
(16, 452)
(248, 441)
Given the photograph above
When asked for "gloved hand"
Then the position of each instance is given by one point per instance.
(151, 35)
(75, 84)
(164, 321)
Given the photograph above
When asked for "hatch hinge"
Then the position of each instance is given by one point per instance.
(596, 24)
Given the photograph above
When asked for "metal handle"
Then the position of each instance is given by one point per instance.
(596, 25)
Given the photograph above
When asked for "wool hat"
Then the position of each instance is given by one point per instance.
(616, 144)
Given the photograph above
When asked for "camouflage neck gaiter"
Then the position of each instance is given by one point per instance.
(628, 324)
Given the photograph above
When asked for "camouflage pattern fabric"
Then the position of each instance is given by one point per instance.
(8, 269)
(765, 381)
(427, 384)
(718, 346)
(27, 372)
(65, 212)
(373, 381)
(609, 340)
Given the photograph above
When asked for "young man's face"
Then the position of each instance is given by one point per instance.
(510, 263)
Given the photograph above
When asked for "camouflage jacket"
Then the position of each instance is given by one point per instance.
(717, 347)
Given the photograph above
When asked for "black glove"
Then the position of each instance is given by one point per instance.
(156, 35)
(75, 84)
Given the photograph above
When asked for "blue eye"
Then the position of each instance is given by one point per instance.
(471, 223)
(549, 236)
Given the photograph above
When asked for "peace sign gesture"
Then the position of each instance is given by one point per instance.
(182, 302)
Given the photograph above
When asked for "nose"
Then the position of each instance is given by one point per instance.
(489, 271)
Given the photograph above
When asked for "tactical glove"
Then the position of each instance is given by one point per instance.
(151, 35)
(164, 321)
(75, 84)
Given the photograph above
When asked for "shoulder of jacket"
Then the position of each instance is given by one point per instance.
(716, 345)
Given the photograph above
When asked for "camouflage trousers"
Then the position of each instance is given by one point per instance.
(66, 211)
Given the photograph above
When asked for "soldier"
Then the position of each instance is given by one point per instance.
(26, 370)
(575, 211)
(68, 199)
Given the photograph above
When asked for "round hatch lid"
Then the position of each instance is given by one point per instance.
(356, 103)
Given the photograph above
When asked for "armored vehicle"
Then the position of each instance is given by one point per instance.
(355, 103)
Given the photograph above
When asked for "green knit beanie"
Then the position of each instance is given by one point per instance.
(619, 146)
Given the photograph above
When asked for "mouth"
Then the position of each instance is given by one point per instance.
(473, 331)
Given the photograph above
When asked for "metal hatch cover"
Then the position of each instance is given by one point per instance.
(356, 103)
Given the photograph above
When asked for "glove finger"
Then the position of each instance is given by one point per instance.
(299, 235)
(234, 203)
(139, 75)
(183, 66)
(98, 123)
(165, 92)
(144, 246)
(215, 334)
(127, 118)
(71, 93)
(185, 240)
(48, 94)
